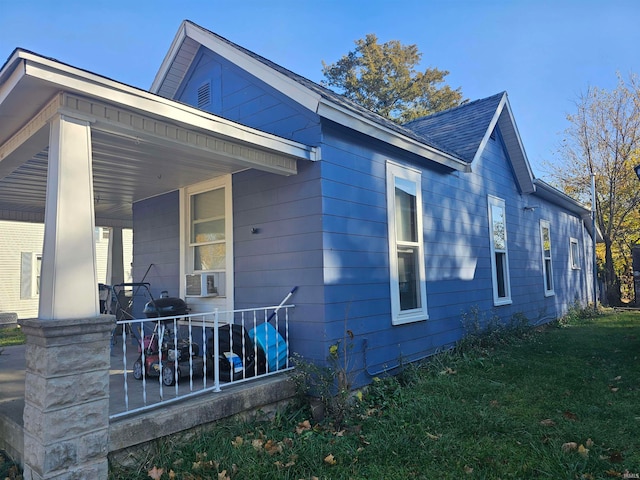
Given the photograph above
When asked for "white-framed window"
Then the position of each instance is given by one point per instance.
(547, 268)
(499, 251)
(406, 245)
(207, 233)
(574, 254)
(30, 268)
(208, 247)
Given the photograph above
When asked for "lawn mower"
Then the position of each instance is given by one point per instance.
(163, 353)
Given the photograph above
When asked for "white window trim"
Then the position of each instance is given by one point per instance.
(399, 317)
(506, 300)
(29, 273)
(547, 292)
(186, 255)
(574, 262)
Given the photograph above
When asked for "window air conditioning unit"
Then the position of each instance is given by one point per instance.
(205, 285)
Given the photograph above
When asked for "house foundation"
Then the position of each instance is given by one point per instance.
(66, 413)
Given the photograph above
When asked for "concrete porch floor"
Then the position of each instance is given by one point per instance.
(136, 429)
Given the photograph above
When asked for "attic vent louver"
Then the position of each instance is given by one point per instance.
(204, 95)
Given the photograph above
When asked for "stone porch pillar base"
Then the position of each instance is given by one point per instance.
(66, 413)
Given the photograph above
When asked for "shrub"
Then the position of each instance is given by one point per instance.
(578, 314)
(482, 333)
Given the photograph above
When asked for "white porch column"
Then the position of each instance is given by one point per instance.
(66, 411)
(69, 284)
(115, 260)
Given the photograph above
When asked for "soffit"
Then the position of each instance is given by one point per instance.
(142, 145)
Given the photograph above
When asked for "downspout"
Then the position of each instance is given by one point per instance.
(593, 225)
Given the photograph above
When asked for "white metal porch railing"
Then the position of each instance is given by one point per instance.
(168, 359)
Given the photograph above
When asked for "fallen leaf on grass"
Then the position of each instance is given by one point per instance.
(303, 427)
(290, 463)
(431, 436)
(613, 389)
(569, 447)
(589, 443)
(330, 460)
(569, 415)
(583, 451)
(618, 378)
(547, 422)
(448, 371)
(155, 473)
(257, 444)
(468, 470)
(272, 447)
(613, 473)
(223, 475)
(237, 442)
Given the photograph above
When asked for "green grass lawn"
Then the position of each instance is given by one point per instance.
(11, 336)
(561, 403)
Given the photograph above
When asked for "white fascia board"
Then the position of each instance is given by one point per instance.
(552, 194)
(345, 117)
(69, 78)
(520, 156)
(507, 105)
(13, 77)
(169, 57)
(492, 125)
(282, 83)
(302, 95)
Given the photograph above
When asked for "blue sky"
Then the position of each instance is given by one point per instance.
(543, 53)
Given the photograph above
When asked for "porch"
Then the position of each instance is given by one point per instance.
(79, 150)
(141, 411)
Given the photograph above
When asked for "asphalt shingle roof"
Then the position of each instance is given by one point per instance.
(460, 129)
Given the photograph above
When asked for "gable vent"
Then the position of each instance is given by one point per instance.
(204, 95)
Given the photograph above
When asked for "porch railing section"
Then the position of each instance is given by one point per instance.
(168, 359)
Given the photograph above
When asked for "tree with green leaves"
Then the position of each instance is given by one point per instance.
(384, 79)
(603, 139)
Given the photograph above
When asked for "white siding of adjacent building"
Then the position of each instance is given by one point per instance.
(20, 243)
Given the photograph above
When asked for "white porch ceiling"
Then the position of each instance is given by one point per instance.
(142, 145)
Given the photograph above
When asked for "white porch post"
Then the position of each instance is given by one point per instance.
(68, 257)
(115, 260)
(66, 414)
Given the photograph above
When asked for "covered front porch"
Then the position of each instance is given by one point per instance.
(139, 428)
(78, 150)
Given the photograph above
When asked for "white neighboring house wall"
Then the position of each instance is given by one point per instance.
(20, 259)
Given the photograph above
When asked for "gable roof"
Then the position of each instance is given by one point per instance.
(460, 128)
(467, 128)
(310, 95)
(454, 138)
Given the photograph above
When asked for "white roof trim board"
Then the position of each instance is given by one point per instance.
(325, 103)
(307, 97)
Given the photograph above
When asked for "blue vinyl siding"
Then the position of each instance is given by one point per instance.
(238, 96)
(457, 249)
(156, 242)
(285, 252)
(325, 230)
